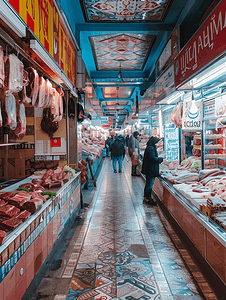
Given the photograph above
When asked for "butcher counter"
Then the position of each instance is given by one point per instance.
(27, 247)
(204, 238)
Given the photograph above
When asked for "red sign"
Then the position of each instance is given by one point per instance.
(110, 120)
(206, 44)
(135, 117)
(55, 142)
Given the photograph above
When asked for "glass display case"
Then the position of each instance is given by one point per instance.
(213, 144)
(190, 144)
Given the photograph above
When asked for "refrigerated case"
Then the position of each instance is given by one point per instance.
(213, 144)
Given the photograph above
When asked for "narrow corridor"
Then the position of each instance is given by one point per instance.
(119, 250)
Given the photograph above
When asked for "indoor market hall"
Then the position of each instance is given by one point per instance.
(120, 248)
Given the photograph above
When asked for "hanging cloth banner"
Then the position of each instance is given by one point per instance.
(192, 115)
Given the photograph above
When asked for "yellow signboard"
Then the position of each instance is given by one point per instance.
(43, 19)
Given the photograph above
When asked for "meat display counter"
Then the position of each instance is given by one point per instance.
(26, 248)
(205, 239)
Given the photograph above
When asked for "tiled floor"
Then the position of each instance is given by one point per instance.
(119, 250)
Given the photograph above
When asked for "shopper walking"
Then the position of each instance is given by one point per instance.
(117, 154)
(150, 167)
(111, 141)
(134, 152)
(107, 146)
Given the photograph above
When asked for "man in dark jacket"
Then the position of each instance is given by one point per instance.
(150, 167)
(117, 154)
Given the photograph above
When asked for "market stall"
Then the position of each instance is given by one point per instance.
(39, 182)
(192, 186)
(92, 142)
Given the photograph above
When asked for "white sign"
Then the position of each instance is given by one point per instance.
(166, 81)
(192, 115)
(166, 53)
(220, 106)
(172, 144)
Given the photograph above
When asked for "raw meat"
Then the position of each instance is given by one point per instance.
(47, 123)
(5, 196)
(2, 72)
(177, 114)
(33, 205)
(49, 93)
(8, 210)
(37, 195)
(28, 186)
(55, 105)
(21, 124)
(22, 95)
(60, 91)
(13, 74)
(19, 200)
(196, 152)
(2, 236)
(209, 178)
(41, 93)
(23, 215)
(204, 173)
(10, 108)
(197, 141)
(37, 181)
(38, 188)
(2, 203)
(11, 224)
(216, 204)
(33, 87)
(0, 114)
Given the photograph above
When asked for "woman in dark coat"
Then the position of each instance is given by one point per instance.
(150, 167)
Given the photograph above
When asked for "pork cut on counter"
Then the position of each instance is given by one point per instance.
(33, 205)
(2, 236)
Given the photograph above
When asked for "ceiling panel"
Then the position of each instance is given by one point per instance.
(121, 51)
(95, 102)
(110, 103)
(124, 10)
(117, 92)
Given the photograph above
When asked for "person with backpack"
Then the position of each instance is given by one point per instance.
(117, 154)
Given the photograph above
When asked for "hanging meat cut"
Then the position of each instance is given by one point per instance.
(14, 80)
(10, 112)
(177, 114)
(47, 123)
(55, 105)
(49, 94)
(21, 123)
(2, 72)
(0, 114)
(41, 93)
(33, 86)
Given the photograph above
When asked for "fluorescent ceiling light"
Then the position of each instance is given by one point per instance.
(50, 62)
(174, 97)
(8, 15)
(210, 76)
